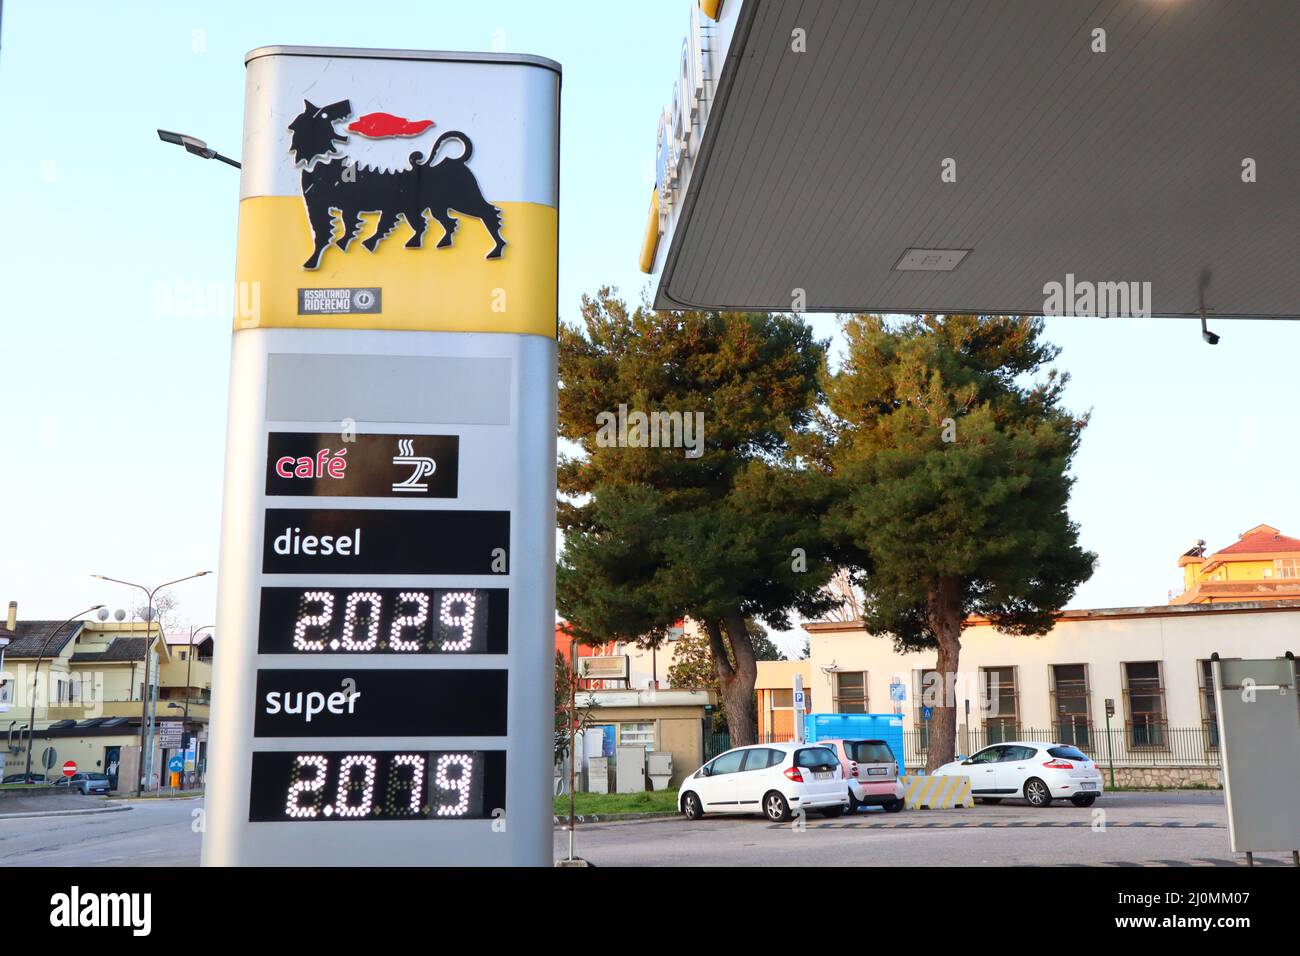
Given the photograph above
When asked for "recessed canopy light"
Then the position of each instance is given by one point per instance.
(930, 260)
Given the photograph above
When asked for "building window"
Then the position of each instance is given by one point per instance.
(850, 692)
(1209, 710)
(1144, 699)
(1001, 705)
(1070, 703)
(639, 734)
(1288, 568)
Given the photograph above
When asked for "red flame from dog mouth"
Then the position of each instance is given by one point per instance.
(383, 125)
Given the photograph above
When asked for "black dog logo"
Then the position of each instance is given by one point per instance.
(344, 189)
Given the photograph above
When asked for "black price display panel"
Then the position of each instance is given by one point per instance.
(451, 702)
(368, 466)
(383, 621)
(372, 541)
(318, 786)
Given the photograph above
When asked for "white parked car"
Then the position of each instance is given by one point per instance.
(772, 779)
(1031, 769)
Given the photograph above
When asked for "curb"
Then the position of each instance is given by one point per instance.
(186, 795)
(61, 813)
(563, 821)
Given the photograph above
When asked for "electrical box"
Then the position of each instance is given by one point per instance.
(659, 768)
(598, 775)
(629, 771)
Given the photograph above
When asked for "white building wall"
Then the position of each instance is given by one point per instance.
(1178, 638)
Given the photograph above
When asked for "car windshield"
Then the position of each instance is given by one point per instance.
(816, 758)
(869, 751)
(1067, 753)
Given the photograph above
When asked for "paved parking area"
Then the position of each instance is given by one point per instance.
(1132, 829)
(1123, 829)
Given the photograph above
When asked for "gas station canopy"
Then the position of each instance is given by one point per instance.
(961, 157)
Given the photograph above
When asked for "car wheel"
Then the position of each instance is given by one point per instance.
(1084, 800)
(854, 806)
(775, 808)
(991, 801)
(893, 806)
(1037, 794)
(833, 811)
(691, 807)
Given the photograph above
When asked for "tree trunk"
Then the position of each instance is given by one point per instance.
(736, 681)
(944, 615)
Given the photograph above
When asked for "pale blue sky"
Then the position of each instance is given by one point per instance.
(112, 454)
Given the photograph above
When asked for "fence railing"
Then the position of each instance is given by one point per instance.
(1145, 745)
(1148, 745)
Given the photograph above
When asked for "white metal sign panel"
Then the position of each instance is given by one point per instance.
(383, 694)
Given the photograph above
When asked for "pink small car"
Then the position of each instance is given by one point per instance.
(870, 768)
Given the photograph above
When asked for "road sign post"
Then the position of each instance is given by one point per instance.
(388, 529)
(1110, 753)
(800, 709)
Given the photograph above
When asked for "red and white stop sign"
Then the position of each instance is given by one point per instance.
(69, 768)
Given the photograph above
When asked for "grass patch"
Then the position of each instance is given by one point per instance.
(653, 801)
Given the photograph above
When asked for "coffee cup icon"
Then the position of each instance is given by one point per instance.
(421, 467)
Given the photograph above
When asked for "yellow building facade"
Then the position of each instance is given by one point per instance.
(1261, 565)
(80, 687)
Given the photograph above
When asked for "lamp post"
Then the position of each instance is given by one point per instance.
(189, 663)
(31, 719)
(573, 729)
(146, 729)
(195, 146)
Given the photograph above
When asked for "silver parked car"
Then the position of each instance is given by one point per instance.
(86, 783)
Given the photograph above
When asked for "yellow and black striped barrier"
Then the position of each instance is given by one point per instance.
(936, 793)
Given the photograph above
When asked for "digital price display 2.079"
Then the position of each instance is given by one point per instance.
(396, 785)
(383, 621)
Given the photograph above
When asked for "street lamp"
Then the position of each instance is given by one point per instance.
(189, 663)
(31, 720)
(146, 730)
(194, 146)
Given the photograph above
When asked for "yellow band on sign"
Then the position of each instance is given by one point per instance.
(936, 793)
(429, 289)
(650, 244)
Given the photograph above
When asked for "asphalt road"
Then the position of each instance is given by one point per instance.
(151, 833)
(1135, 829)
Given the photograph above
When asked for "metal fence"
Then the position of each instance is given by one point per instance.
(1146, 745)
(720, 742)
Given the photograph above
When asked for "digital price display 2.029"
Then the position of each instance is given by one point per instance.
(320, 786)
(383, 621)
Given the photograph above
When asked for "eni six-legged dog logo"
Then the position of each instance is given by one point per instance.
(336, 186)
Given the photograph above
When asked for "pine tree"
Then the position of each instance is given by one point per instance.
(952, 467)
(653, 535)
